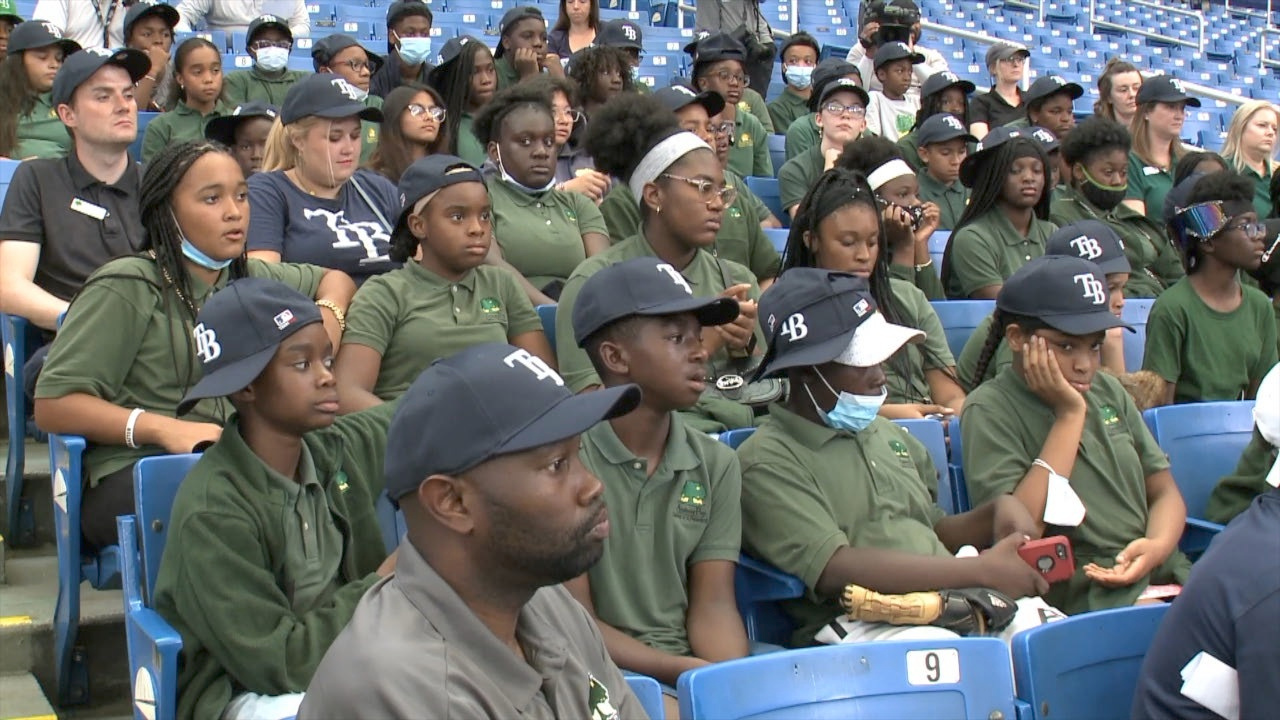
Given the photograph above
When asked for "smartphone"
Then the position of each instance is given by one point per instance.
(1051, 556)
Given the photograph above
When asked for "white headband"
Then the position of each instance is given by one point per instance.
(661, 157)
(891, 170)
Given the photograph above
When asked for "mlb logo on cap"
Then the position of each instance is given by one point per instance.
(862, 307)
(284, 319)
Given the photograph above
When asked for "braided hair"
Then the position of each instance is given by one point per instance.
(1000, 322)
(453, 81)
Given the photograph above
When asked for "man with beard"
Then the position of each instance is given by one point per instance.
(482, 457)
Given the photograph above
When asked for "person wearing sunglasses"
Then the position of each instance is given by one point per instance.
(345, 57)
(413, 127)
(1210, 336)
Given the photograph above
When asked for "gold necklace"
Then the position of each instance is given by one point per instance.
(169, 279)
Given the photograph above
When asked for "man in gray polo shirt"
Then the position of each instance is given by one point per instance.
(482, 456)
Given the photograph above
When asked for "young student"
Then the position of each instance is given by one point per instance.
(803, 132)
(197, 68)
(601, 73)
(626, 36)
(719, 65)
(575, 169)
(841, 117)
(345, 57)
(1157, 142)
(722, 135)
(674, 493)
(409, 25)
(891, 112)
(443, 299)
(841, 227)
(844, 499)
(465, 76)
(942, 146)
(413, 127)
(522, 47)
(148, 26)
(542, 233)
(1096, 155)
(274, 537)
(799, 58)
(29, 122)
(1051, 418)
(943, 93)
(125, 354)
(1007, 64)
(1003, 227)
(1212, 337)
(9, 19)
(1049, 102)
(268, 42)
(245, 131)
(1258, 470)
(986, 353)
(682, 196)
(749, 101)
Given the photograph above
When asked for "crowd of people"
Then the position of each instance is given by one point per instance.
(327, 283)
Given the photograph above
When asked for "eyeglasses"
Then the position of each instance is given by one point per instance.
(436, 113)
(726, 76)
(263, 44)
(357, 65)
(575, 116)
(723, 128)
(1015, 60)
(1251, 229)
(838, 109)
(707, 190)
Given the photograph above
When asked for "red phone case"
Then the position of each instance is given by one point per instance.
(1052, 556)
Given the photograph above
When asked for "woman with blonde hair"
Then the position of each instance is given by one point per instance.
(1118, 87)
(1251, 148)
(311, 202)
(1157, 143)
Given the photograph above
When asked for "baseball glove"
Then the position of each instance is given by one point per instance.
(969, 611)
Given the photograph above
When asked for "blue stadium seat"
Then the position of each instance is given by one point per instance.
(144, 119)
(965, 677)
(217, 37)
(547, 313)
(955, 447)
(734, 438)
(153, 644)
(959, 319)
(937, 246)
(649, 693)
(778, 238)
(391, 520)
(302, 63)
(1085, 666)
(155, 485)
(778, 149)
(20, 339)
(767, 190)
(758, 588)
(931, 434)
(1135, 313)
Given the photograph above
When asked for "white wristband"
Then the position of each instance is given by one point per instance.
(128, 427)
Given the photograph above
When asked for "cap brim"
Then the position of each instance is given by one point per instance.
(816, 354)
(830, 90)
(941, 138)
(355, 109)
(709, 311)
(1085, 323)
(875, 341)
(227, 380)
(572, 416)
(134, 62)
(1115, 265)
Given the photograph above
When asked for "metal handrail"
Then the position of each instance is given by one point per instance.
(1263, 62)
(1039, 8)
(1096, 22)
(1205, 91)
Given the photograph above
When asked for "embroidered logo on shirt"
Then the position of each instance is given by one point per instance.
(899, 448)
(490, 306)
(693, 498)
(353, 234)
(1110, 419)
(571, 215)
(372, 135)
(342, 481)
(744, 106)
(734, 212)
(598, 700)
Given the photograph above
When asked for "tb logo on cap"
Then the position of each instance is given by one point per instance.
(533, 364)
(347, 88)
(1093, 290)
(675, 276)
(952, 122)
(207, 346)
(1087, 247)
(630, 32)
(794, 328)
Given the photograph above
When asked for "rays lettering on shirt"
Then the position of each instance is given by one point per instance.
(365, 234)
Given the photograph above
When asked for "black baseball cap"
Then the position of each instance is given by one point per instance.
(1091, 240)
(941, 128)
(325, 48)
(1047, 139)
(238, 331)
(325, 95)
(1047, 85)
(267, 21)
(38, 34)
(510, 18)
(621, 33)
(143, 8)
(452, 49)
(991, 141)
(1067, 293)
(488, 400)
(826, 71)
(430, 174)
(1004, 51)
(223, 127)
(676, 97)
(405, 8)
(1176, 199)
(889, 52)
(800, 38)
(715, 47)
(80, 66)
(940, 81)
(842, 84)
(813, 316)
(1163, 88)
(643, 286)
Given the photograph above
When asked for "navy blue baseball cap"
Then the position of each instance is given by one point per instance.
(940, 81)
(677, 97)
(451, 50)
(510, 18)
(325, 48)
(1067, 293)
(889, 52)
(223, 127)
(842, 84)
(325, 95)
(1046, 137)
(715, 47)
(991, 141)
(827, 71)
(1165, 89)
(430, 174)
(621, 33)
(1047, 85)
(267, 21)
(486, 401)
(941, 128)
(80, 66)
(38, 34)
(238, 331)
(642, 286)
(406, 8)
(1091, 240)
(143, 8)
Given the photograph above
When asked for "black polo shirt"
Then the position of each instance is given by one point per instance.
(991, 108)
(79, 221)
(388, 76)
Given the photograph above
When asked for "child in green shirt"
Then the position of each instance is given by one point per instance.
(942, 143)
(268, 42)
(29, 123)
(198, 69)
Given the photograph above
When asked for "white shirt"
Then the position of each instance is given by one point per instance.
(235, 15)
(891, 119)
(933, 63)
(82, 20)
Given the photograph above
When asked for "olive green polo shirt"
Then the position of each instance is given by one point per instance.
(541, 235)
(470, 148)
(1233, 493)
(369, 131)
(988, 250)
(740, 239)
(125, 340)
(1210, 355)
(312, 543)
(689, 511)
(507, 75)
(241, 86)
(1005, 426)
(1261, 190)
(967, 364)
(750, 152)
(809, 490)
(950, 199)
(413, 317)
(1154, 260)
(909, 147)
(925, 278)
(802, 134)
(798, 175)
(786, 108)
(41, 133)
(1149, 184)
(905, 370)
(753, 102)
(180, 124)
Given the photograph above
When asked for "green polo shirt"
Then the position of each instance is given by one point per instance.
(507, 75)
(689, 511)
(809, 490)
(541, 235)
(41, 134)
(1210, 355)
(1233, 493)
(1149, 184)
(1154, 261)
(180, 124)
(312, 543)
(412, 317)
(786, 108)
(799, 174)
(750, 152)
(802, 134)
(924, 278)
(988, 250)
(369, 131)
(127, 341)
(905, 370)
(241, 86)
(1005, 426)
(753, 102)
(740, 238)
(909, 147)
(950, 199)
(1261, 190)
(469, 146)
(967, 364)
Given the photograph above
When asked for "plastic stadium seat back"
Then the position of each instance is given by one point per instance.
(1204, 442)
(649, 692)
(767, 190)
(960, 318)
(547, 314)
(1136, 311)
(155, 485)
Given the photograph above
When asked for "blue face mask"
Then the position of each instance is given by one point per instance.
(193, 253)
(414, 50)
(852, 412)
(798, 76)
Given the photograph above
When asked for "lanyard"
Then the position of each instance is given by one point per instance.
(105, 17)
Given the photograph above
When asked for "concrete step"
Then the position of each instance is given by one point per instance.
(22, 699)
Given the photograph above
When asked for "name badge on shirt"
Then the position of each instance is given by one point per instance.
(97, 212)
(1150, 170)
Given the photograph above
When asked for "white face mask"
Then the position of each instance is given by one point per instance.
(272, 59)
(506, 177)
